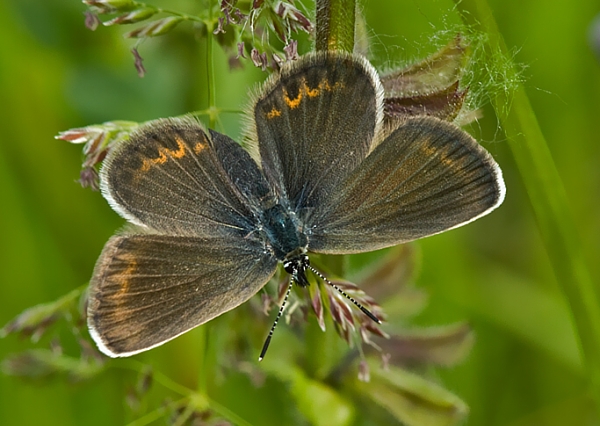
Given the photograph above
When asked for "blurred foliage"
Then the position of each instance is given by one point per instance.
(524, 367)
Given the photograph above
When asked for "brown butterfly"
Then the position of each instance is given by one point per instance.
(211, 221)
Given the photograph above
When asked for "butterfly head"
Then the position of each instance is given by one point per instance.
(296, 266)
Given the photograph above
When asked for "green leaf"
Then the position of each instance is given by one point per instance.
(412, 399)
(444, 345)
(319, 403)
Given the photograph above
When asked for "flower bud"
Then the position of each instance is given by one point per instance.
(155, 28)
(132, 17)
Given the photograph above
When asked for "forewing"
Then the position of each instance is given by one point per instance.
(315, 122)
(148, 289)
(173, 178)
(426, 177)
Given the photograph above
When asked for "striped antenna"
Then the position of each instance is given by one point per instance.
(268, 340)
(343, 293)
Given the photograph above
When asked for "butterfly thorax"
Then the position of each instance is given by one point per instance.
(287, 241)
(282, 232)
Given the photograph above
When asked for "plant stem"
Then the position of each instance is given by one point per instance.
(210, 71)
(335, 24)
(548, 198)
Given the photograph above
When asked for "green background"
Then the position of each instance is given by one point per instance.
(525, 367)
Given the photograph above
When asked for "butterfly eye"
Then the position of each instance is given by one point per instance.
(305, 261)
(289, 267)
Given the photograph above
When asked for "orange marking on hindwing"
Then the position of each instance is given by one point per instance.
(199, 147)
(324, 85)
(164, 154)
(311, 93)
(148, 162)
(428, 150)
(273, 113)
(305, 91)
(442, 155)
(292, 103)
(181, 151)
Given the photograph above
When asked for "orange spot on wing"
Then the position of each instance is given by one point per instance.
(121, 309)
(325, 85)
(123, 278)
(442, 157)
(162, 158)
(146, 165)
(305, 90)
(199, 147)
(165, 153)
(148, 162)
(292, 103)
(310, 92)
(336, 86)
(181, 148)
(273, 113)
(428, 150)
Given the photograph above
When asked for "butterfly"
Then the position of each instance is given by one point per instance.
(323, 173)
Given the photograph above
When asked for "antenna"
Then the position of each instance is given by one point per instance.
(343, 293)
(268, 340)
(287, 294)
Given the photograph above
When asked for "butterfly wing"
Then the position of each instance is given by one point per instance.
(315, 122)
(196, 252)
(426, 177)
(175, 178)
(148, 289)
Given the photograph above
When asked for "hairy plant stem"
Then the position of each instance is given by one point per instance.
(335, 24)
(210, 23)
